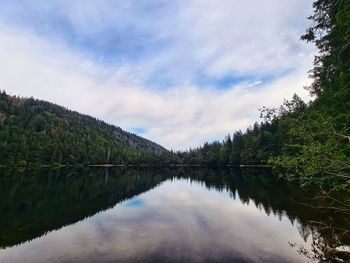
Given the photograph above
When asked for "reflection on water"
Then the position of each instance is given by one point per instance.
(168, 215)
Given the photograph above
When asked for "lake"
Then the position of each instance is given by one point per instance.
(162, 215)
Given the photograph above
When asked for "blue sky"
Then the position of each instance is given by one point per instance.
(177, 72)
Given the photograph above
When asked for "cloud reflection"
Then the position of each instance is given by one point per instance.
(179, 220)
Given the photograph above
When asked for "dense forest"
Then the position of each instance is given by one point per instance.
(311, 141)
(38, 132)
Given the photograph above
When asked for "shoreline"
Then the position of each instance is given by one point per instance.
(138, 165)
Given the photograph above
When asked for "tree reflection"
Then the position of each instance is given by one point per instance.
(327, 244)
(321, 219)
(35, 202)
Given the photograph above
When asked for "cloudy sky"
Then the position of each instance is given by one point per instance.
(179, 72)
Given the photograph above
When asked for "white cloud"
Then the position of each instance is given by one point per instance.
(244, 36)
(227, 37)
(219, 38)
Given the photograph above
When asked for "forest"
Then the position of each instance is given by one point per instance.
(35, 132)
(309, 141)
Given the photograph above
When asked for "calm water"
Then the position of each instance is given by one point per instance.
(178, 215)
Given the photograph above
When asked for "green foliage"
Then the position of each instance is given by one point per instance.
(38, 132)
(310, 143)
(254, 146)
(318, 141)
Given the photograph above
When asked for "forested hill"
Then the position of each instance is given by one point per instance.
(39, 132)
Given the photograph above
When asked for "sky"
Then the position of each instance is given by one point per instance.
(178, 72)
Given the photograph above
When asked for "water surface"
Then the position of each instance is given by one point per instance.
(179, 215)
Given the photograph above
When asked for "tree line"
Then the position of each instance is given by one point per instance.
(256, 146)
(38, 132)
(311, 142)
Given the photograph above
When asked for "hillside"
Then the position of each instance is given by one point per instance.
(39, 132)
